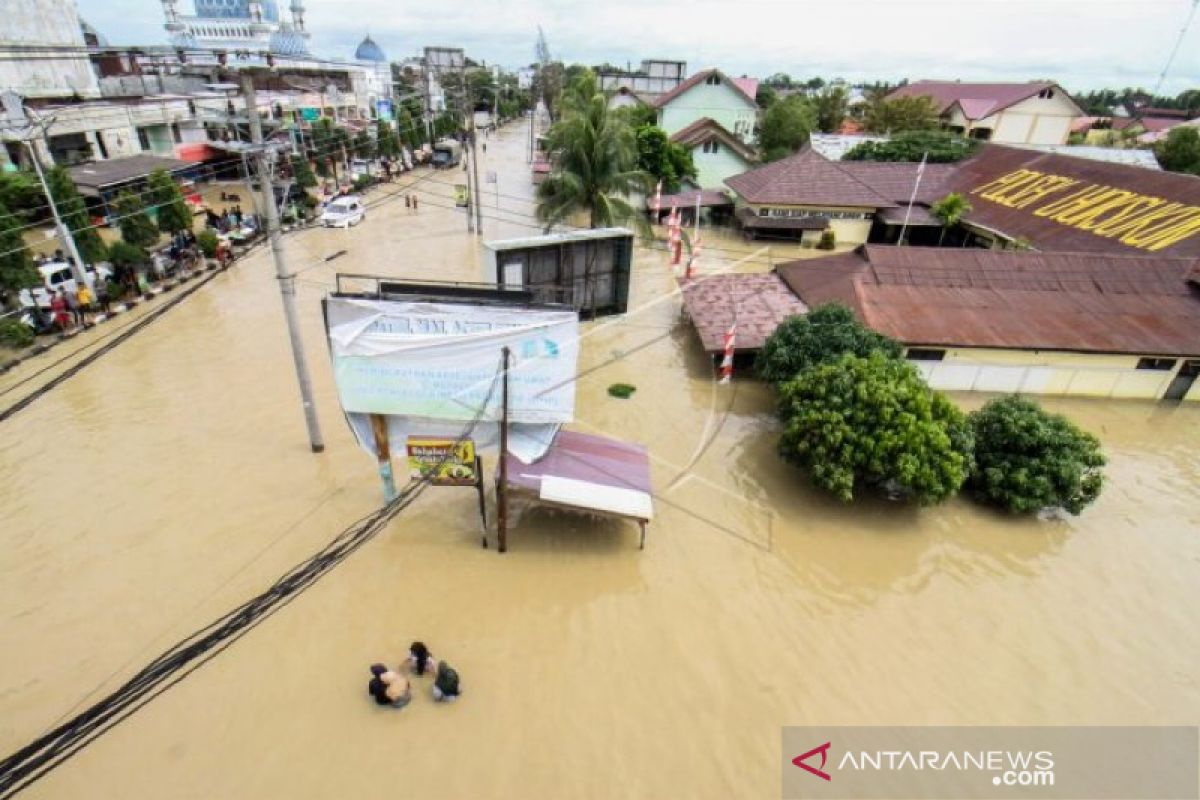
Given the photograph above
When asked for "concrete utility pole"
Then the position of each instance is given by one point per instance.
(475, 174)
(462, 105)
(287, 285)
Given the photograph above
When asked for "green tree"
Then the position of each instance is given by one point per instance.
(362, 145)
(832, 104)
(550, 84)
(1027, 459)
(16, 265)
(21, 194)
(785, 127)
(901, 114)
(950, 211)
(872, 422)
(638, 115)
(940, 147)
(410, 134)
(173, 212)
(75, 216)
(385, 139)
(1180, 151)
(136, 226)
(815, 83)
(824, 334)
(662, 159)
(302, 173)
(767, 96)
(594, 155)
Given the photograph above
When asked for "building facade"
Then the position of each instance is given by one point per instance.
(238, 25)
(716, 152)
(708, 94)
(1039, 112)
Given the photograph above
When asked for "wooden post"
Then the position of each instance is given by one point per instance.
(383, 452)
(502, 485)
(482, 499)
(642, 525)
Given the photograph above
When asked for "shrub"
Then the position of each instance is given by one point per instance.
(828, 240)
(1027, 459)
(125, 256)
(15, 334)
(622, 390)
(873, 422)
(208, 242)
(823, 334)
(362, 182)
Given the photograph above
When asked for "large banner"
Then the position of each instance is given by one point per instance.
(441, 360)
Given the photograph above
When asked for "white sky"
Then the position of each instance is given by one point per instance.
(1083, 44)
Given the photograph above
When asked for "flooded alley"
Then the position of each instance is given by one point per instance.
(172, 479)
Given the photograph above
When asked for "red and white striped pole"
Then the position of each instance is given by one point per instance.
(730, 345)
(657, 202)
(694, 261)
(675, 237)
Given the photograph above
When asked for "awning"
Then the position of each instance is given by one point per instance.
(751, 220)
(709, 198)
(96, 177)
(919, 218)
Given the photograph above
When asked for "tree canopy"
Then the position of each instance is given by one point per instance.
(16, 265)
(74, 215)
(900, 114)
(1027, 459)
(785, 127)
(1180, 151)
(137, 228)
(832, 104)
(594, 162)
(824, 334)
(872, 422)
(662, 159)
(949, 211)
(941, 146)
(164, 194)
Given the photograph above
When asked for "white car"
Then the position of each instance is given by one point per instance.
(343, 212)
(57, 275)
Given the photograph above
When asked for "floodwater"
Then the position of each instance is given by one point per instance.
(172, 479)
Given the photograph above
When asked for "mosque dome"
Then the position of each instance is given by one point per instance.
(369, 51)
(288, 43)
(235, 9)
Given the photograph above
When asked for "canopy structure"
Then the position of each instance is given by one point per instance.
(592, 474)
(98, 178)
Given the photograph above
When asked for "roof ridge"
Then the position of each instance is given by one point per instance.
(836, 165)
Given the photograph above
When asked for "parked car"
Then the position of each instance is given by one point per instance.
(447, 153)
(343, 212)
(57, 275)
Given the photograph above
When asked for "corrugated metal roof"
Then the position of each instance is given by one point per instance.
(709, 198)
(1129, 156)
(97, 175)
(982, 99)
(751, 220)
(761, 302)
(806, 179)
(997, 161)
(1011, 300)
(558, 238)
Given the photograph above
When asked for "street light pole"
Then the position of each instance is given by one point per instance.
(287, 284)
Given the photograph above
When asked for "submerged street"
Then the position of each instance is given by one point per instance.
(172, 479)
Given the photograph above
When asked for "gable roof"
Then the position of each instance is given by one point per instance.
(696, 80)
(894, 180)
(1009, 299)
(705, 129)
(1149, 193)
(806, 179)
(977, 100)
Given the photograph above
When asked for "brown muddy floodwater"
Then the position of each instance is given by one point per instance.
(172, 480)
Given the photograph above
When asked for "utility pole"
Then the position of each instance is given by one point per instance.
(287, 284)
(18, 118)
(462, 104)
(475, 172)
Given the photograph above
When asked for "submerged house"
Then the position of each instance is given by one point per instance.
(717, 153)
(713, 95)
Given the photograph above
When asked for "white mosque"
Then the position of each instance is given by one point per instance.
(253, 25)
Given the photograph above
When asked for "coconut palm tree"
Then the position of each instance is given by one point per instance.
(950, 210)
(594, 162)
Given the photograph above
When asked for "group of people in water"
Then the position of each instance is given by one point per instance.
(393, 688)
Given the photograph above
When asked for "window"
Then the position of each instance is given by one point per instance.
(713, 80)
(176, 134)
(712, 147)
(924, 354)
(143, 139)
(62, 276)
(1164, 364)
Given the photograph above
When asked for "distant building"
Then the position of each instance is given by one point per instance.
(238, 25)
(1039, 112)
(710, 94)
(1031, 323)
(377, 74)
(655, 77)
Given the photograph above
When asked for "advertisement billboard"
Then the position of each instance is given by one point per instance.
(446, 462)
(440, 360)
(383, 110)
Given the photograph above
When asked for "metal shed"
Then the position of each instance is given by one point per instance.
(588, 270)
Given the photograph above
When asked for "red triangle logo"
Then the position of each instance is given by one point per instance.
(818, 771)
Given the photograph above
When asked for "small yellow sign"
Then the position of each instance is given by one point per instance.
(462, 195)
(446, 462)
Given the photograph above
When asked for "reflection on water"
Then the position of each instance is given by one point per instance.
(172, 480)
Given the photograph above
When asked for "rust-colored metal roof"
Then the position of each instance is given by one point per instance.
(696, 79)
(751, 220)
(894, 180)
(807, 179)
(706, 129)
(761, 301)
(709, 198)
(994, 162)
(959, 297)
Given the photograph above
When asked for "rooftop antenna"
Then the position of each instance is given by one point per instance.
(1175, 50)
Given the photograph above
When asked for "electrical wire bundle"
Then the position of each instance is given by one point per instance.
(46, 753)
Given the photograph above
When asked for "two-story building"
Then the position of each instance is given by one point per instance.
(1038, 112)
(713, 95)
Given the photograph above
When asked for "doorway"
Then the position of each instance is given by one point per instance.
(1183, 381)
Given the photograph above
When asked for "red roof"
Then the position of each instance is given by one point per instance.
(761, 301)
(806, 179)
(894, 180)
(967, 297)
(587, 458)
(749, 86)
(695, 80)
(977, 100)
(709, 198)
(706, 129)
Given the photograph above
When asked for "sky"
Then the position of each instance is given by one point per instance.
(1083, 44)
